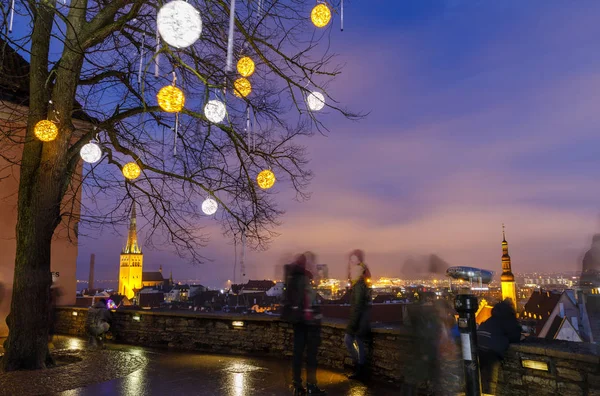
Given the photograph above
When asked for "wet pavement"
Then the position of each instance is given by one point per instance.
(161, 371)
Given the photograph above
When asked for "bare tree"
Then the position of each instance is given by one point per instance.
(104, 77)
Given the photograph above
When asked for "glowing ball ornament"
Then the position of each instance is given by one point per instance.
(266, 179)
(131, 171)
(215, 111)
(45, 130)
(171, 99)
(179, 24)
(91, 153)
(209, 206)
(242, 87)
(320, 15)
(315, 101)
(245, 66)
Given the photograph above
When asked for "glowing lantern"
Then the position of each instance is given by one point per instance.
(209, 206)
(242, 87)
(266, 179)
(215, 111)
(131, 171)
(315, 101)
(91, 153)
(179, 24)
(45, 130)
(171, 99)
(245, 66)
(320, 15)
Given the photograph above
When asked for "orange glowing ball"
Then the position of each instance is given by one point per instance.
(45, 130)
(131, 171)
(245, 66)
(171, 99)
(320, 15)
(242, 87)
(266, 179)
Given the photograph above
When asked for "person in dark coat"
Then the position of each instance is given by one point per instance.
(97, 322)
(493, 338)
(358, 325)
(301, 311)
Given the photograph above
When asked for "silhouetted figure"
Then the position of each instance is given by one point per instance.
(358, 326)
(97, 323)
(493, 338)
(300, 310)
(590, 273)
(55, 294)
(427, 327)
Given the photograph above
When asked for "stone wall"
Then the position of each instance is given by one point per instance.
(572, 368)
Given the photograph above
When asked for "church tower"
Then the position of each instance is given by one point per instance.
(509, 288)
(132, 259)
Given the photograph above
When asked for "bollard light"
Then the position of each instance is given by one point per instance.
(74, 313)
(535, 365)
(237, 323)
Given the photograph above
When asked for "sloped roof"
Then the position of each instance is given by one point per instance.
(542, 303)
(593, 310)
(554, 327)
(259, 285)
(152, 276)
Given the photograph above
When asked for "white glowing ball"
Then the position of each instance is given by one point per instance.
(315, 101)
(215, 111)
(179, 24)
(91, 153)
(209, 206)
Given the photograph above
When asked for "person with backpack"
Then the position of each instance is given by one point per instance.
(358, 325)
(97, 323)
(300, 310)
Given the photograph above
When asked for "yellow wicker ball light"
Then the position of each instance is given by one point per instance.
(45, 130)
(242, 87)
(245, 66)
(320, 15)
(131, 171)
(266, 179)
(171, 99)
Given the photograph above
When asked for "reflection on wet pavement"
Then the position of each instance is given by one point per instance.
(174, 373)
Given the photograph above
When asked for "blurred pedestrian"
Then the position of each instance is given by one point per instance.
(300, 310)
(97, 323)
(493, 339)
(55, 294)
(358, 325)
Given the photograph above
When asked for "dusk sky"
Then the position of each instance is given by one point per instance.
(481, 112)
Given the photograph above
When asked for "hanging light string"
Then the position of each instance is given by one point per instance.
(230, 40)
(141, 58)
(342, 15)
(12, 16)
(176, 121)
(156, 54)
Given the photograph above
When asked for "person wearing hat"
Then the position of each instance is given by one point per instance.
(360, 300)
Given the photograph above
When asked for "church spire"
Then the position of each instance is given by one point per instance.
(132, 241)
(507, 274)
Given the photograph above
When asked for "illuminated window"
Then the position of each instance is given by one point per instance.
(534, 316)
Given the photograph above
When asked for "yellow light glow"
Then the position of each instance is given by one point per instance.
(74, 313)
(136, 318)
(171, 99)
(242, 87)
(245, 66)
(46, 131)
(320, 15)
(237, 323)
(266, 179)
(131, 170)
(535, 365)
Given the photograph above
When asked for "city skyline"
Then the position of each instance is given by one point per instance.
(494, 122)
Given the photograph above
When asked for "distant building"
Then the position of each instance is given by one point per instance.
(509, 287)
(253, 286)
(149, 297)
(276, 290)
(557, 316)
(132, 277)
